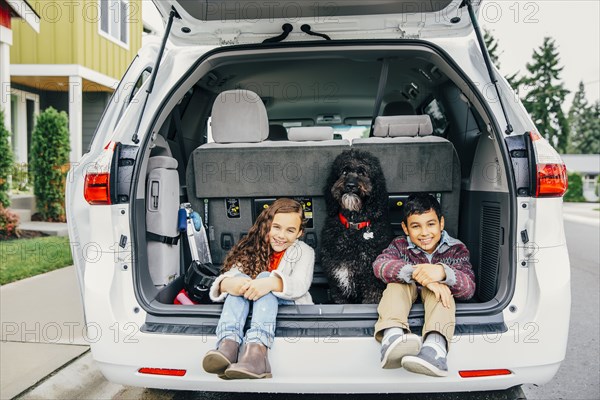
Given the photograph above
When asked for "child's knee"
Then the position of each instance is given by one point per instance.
(263, 274)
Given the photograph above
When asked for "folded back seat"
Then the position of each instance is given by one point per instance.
(231, 180)
(415, 161)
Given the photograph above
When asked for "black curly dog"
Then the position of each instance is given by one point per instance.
(357, 227)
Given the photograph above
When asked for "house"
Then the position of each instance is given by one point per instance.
(74, 64)
(588, 165)
(11, 11)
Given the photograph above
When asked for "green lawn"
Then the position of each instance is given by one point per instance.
(23, 258)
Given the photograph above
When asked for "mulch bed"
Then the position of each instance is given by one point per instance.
(23, 234)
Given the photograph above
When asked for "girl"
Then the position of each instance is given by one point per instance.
(268, 267)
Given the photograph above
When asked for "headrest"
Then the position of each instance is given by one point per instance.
(399, 108)
(239, 116)
(305, 133)
(277, 132)
(403, 125)
(160, 147)
(161, 162)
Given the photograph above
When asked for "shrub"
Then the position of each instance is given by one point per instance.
(6, 163)
(575, 191)
(49, 163)
(8, 224)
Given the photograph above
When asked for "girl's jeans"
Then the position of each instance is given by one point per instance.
(264, 313)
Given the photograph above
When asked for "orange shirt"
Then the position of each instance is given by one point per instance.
(275, 259)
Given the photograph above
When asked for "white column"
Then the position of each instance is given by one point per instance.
(75, 116)
(5, 80)
(20, 130)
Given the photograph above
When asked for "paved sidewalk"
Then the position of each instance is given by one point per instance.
(587, 213)
(42, 329)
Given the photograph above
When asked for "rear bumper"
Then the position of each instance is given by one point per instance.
(322, 365)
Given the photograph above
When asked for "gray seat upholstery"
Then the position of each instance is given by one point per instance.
(415, 161)
(241, 170)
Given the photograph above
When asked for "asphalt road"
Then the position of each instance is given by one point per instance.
(578, 377)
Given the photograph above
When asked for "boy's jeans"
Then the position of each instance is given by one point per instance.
(264, 313)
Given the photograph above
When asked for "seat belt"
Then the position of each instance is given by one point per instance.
(380, 90)
(179, 138)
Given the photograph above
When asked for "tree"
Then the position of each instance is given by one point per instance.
(6, 162)
(584, 121)
(545, 94)
(574, 191)
(49, 161)
(493, 48)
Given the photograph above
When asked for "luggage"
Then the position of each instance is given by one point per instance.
(162, 205)
(201, 273)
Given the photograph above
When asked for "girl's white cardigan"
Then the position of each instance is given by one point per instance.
(295, 270)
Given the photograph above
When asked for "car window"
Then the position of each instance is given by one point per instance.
(438, 117)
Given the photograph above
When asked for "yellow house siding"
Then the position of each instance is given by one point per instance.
(69, 34)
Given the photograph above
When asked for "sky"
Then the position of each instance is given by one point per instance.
(520, 27)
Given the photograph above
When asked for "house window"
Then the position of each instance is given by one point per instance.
(114, 20)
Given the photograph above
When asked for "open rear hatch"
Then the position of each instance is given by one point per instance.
(231, 22)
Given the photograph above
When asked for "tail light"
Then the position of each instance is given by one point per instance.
(551, 173)
(96, 188)
(552, 180)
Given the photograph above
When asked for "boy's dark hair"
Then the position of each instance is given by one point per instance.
(419, 203)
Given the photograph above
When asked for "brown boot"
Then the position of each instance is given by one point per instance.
(253, 364)
(217, 361)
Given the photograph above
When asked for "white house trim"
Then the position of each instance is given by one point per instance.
(63, 70)
(6, 35)
(75, 116)
(5, 83)
(27, 13)
(107, 35)
(20, 125)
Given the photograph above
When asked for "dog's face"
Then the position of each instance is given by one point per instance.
(353, 185)
(356, 181)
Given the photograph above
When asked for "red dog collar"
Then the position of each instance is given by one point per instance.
(353, 225)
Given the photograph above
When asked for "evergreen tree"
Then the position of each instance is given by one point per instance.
(50, 162)
(590, 130)
(545, 94)
(584, 124)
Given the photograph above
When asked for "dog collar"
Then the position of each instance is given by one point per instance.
(353, 225)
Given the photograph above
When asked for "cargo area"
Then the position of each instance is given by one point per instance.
(320, 103)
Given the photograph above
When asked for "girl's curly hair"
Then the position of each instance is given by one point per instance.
(251, 254)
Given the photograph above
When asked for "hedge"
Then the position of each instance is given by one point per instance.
(575, 191)
(6, 163)
(50, 163)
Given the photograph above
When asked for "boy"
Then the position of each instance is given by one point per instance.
(431, 261)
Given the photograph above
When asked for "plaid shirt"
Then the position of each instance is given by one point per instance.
(395, 264)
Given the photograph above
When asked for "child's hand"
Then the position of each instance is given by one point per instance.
(428, 273)
(234, 285)
(257, 288)
(442, 293)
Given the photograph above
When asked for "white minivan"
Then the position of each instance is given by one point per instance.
(463, 135)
